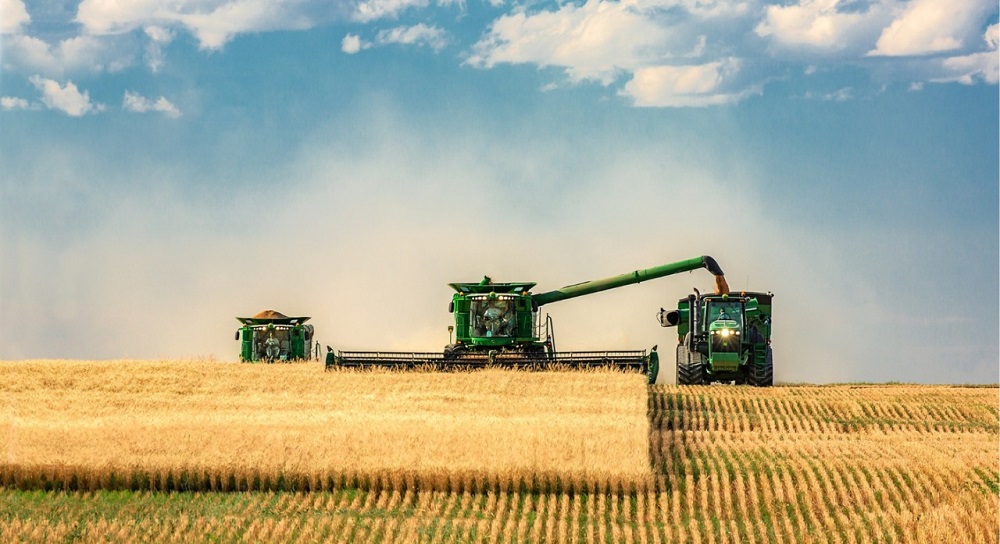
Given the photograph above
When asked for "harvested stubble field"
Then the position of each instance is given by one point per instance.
(200, 451)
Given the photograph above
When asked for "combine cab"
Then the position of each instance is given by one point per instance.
(270, 337)
(498, 324)
(723, 338)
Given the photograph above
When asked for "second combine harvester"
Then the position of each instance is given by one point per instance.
(497, 324)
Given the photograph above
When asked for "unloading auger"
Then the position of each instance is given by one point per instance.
(498, 324)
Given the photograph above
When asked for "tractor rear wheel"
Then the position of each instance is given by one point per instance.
(690, 368)
(762, 374)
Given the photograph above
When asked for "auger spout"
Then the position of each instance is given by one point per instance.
(638, 276)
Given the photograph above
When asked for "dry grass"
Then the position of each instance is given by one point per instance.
(218, 425)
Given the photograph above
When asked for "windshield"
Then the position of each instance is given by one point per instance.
(725, 311)
(725, 321)
(492, 317)
(271, 342)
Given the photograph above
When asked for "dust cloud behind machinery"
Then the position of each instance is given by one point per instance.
(363, 234)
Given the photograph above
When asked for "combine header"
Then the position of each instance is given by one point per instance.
(497, 324)
(271, 336)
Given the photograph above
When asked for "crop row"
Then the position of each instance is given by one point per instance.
(394, 516)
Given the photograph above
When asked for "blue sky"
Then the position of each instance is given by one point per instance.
(169, 165)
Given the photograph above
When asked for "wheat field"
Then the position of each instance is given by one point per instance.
(720, 464)
(253, 427)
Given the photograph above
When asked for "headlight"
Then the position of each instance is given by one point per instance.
(725, 332)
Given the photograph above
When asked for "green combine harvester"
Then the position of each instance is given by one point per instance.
(723, 338)
(271, 337)
(498, 324)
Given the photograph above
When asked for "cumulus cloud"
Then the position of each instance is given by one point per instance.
(416, 35)
(594, 41)
(967, 69)
(159, 37)
(137, 103)
(823, 25)
(351, 44)
(649, 51)
(932, 26)
(13, 15)
(78, 54)
(381, 9)
(685, 86)
(420, 34)
(680, 53)
(212, 22)
(65, 98)
(13, 103)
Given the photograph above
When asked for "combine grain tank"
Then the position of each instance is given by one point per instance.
(271, 336)
(498, 324)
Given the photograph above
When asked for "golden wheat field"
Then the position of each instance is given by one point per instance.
(201, 451)
(229, 425)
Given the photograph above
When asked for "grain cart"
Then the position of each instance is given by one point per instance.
(723, 338)
(498, 324)
(271, 336)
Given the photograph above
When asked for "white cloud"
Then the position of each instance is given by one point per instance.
(13, 103)
(65, 98)
(646, 49)
(213, 22)
(351, 44)
(968, 69)
(933, 26)
(420, 34)
(686, 86)
(840, 95)
(79, 54)
(139, 104)
(824, 25)
(158, 38)
(595, 41)
(13, 15)
(382, 9)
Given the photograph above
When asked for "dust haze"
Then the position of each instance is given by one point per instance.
(364, 227)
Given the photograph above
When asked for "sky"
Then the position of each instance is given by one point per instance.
(166, 166)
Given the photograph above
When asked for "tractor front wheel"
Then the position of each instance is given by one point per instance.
(762, 373)
(690, 366)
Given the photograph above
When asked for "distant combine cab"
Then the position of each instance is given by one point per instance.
(272, 337)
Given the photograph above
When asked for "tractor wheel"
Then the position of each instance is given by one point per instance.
(690, 368)
(762, 375)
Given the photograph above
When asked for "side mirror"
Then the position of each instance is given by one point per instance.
(237, 334)
(451, 307)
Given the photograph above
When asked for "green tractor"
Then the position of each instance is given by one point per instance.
(498, 324)
(271, 337)
(723, 338)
